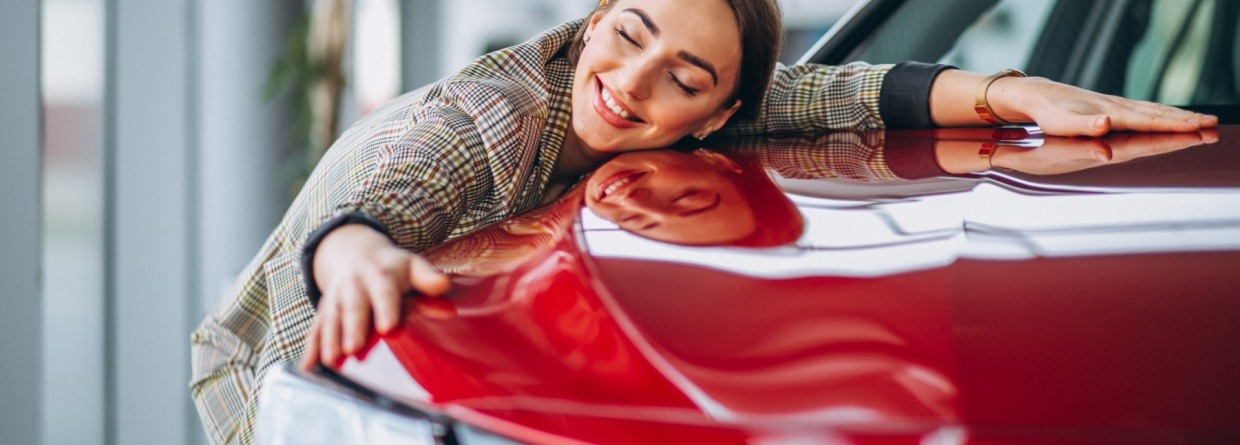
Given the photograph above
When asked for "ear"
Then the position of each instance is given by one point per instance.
(595, 17)
(719, 160)
(720, 118)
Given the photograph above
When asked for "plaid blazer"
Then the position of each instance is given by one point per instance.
(469, 150)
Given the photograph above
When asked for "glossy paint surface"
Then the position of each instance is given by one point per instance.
(1097, 305)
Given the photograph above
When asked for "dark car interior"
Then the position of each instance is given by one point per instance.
(1172, 51)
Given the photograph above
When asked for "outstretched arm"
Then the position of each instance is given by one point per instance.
(1059, 109)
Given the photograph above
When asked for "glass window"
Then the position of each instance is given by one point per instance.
(1002, 37)
(1171, 51)
(1185, 40)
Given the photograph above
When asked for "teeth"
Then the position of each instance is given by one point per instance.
(611, 104)
(618, 184)
(615, 185)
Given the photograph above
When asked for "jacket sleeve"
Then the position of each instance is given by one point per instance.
(414, 188)
(857, 156)
(411, 176)
(856, 96)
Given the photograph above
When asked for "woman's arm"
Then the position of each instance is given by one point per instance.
(814, 98)
(362, 272)
(1057, 108)
(377, 199)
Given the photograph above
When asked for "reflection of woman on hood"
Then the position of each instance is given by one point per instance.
(698, 197)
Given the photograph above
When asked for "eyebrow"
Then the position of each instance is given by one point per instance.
(682, 55)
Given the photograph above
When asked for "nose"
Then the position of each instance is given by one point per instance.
(641, 199)
(636, 78)
(638, 207)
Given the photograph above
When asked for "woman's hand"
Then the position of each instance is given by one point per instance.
(1059, 109)
(1059, 155)
(1065, 110)
(361, 272)
(1064, 155)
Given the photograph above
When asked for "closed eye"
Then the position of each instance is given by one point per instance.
(625, 35)
(687, 89)
(698, 211)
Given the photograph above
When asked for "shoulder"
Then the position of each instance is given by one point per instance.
(508, 90)
(517, 79)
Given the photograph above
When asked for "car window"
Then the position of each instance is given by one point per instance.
(1178, 42)
(1002, 37)
(1180, 52)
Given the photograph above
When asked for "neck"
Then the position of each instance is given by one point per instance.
(576, 158)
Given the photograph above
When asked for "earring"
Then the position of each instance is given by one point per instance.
(585, 38)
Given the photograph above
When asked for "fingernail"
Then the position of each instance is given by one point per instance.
(1099, 121)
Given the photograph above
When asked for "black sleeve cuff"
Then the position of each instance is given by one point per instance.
(912, 158)
(312, 244)
(904, 100)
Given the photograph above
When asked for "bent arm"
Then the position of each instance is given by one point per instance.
(1059, 109)
(856, 96)
(415, 188)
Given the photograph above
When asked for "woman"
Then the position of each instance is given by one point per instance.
(516, 127)
(694, 198)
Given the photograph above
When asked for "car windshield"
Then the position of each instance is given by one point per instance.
(1180, 52)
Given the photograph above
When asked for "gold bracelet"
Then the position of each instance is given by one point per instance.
(987, 150)
(982, 106)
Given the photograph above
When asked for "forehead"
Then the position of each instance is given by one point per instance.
(705, 28)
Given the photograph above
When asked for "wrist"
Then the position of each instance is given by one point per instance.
(960, 157)
(343, 245)
(1007, 98)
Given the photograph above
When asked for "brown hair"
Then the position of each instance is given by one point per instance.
(761, 30)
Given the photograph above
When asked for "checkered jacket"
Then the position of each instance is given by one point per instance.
(464, 152)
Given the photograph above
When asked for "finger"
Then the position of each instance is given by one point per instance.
(311, 356)
(1073, 124)
(385, 304)
(1102, 152)
(354, 322)
(1208, 120)
(329, 335)
(426, 279)
(1135, 145)
(1152, 117)
(435, 309)
(1082, 149)
(1209, 135)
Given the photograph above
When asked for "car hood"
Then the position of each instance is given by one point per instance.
(1092, 306)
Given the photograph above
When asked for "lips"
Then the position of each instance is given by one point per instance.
(612, 110)
(615, 183)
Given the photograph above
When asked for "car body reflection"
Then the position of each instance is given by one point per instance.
(975, 307)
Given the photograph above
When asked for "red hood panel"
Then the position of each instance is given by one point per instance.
(1017, 328)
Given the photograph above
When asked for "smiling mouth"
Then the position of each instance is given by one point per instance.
(616, 183)
(614, 106)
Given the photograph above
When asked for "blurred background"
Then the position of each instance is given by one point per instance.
(149, 147)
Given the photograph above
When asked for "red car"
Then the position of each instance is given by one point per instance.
(850, 288)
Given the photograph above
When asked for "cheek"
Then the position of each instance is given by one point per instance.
(680, 117)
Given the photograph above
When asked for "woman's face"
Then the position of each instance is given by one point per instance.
(684, 198)
(654, 71)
